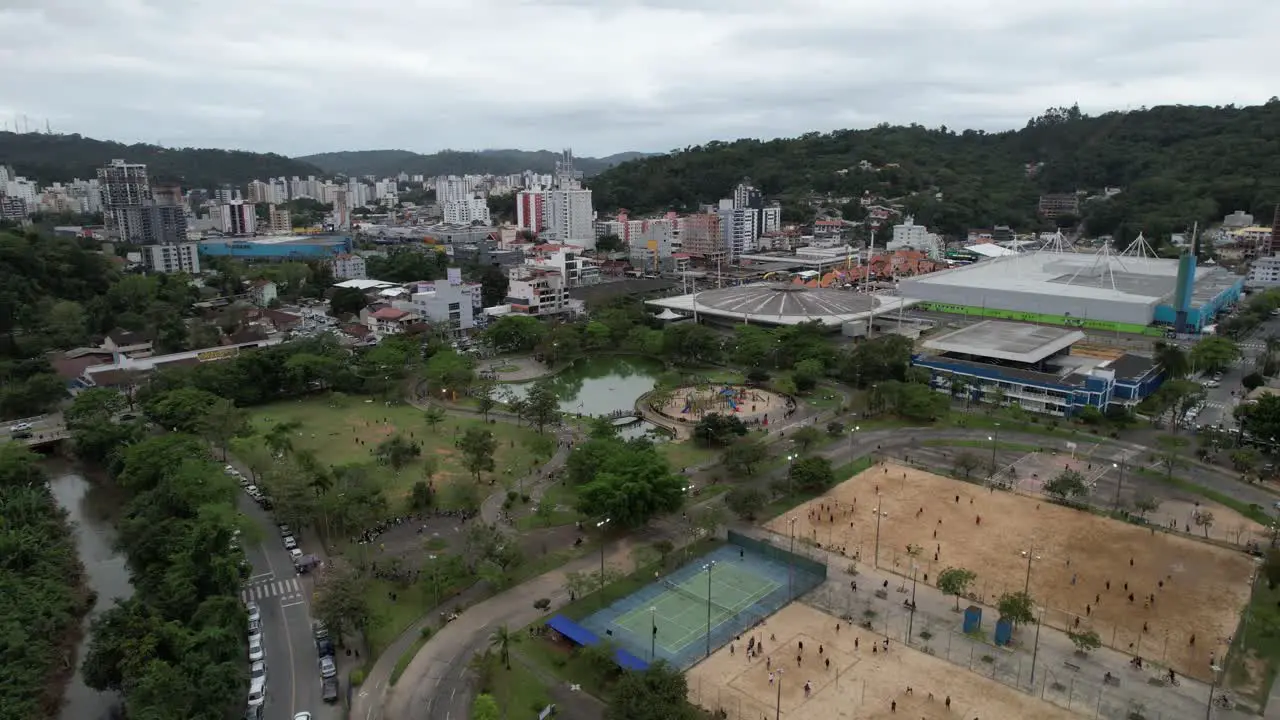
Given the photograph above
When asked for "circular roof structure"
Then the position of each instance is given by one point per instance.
(785, 302)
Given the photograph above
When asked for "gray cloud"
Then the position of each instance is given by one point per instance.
(301, 76)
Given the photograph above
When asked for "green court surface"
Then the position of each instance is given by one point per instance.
(680, 612)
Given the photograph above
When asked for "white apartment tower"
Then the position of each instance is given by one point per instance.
(465, 212)
(236, 218)
(125, 189)
(451, 189)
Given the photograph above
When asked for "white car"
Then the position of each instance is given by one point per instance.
(230, 470)
(327, 667)
(289, 542)
(21, 427)
(257, 691)
(258, 670)
(255, 615)
(256, 652)
(302, 716)
(295, 555)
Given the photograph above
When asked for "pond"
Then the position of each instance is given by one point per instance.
(599, 386)
(93, 508)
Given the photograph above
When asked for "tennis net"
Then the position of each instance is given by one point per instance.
(695, 596)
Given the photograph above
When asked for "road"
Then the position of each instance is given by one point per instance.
(43, 429)
(283, 596)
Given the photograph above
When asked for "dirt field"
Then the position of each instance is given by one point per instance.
(858, 683)
(1199, 589)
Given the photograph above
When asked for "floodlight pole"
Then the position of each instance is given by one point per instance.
(995, 440)
(1026, 587)
(875, 562)
(601, 524)
(1036, 651)
(708, 568)
(777, 708)
(790, 562)
(1115, 505)
(653, 636)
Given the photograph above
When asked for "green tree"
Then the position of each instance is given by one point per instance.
(659, 692)
(449, 372)
(744, 456)
(608, 243)
(1214, 354)
(1204, 519)
(812, 474)
(806, 374)
(515, 333)
(1016, 607)
(342, 604)
(1067, 485)
(627, 481)
(279, 438)
(181, 410)
(346, 301)
(541, 405)
(1173, 359)
(502, 640)
(715, 429)
(1145, 504)
(956, 581)
(485, 708)
(1271, 568)
(478, 446)
(433, 416)
(965, 463)
(806, 437)
(745, 502)
(486, 401)
(1085, 641)
(397, 451)
(222, 422)
(1170, 454)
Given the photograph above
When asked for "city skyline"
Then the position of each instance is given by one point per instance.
(648, 75)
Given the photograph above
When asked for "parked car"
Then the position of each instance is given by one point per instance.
(295, 554)
(256, 652)
(328, 668)
(255, 627)
(324, 647)
(258, 670)
(329, 690)
(289, 542)
(319, 631)
(257, 691)
(255, 615)
(284, 530)
(302, 716)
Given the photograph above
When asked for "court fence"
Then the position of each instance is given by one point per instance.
(808, 565)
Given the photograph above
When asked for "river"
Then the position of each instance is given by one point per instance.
(93, 509)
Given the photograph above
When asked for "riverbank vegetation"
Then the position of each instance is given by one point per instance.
(176, 649)
(42, 594)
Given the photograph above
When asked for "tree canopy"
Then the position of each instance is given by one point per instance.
(1166, 160)
(627, 481)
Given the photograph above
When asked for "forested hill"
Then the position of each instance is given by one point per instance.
(60, 158)
(384, 163)
(1174, 164)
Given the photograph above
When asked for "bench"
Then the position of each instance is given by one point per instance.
(1071, 665)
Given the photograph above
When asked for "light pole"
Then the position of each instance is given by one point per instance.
(1115, 505)
(995, 440)
(777, 707)
(653, 636)
(708, 568)
(601, 524)
(1213, 686)
(1031, 555)
(1036, 651)
(790, 556)
(852, 432)
(790, 459)
(876, 561)
(435, 578)
(911, 620)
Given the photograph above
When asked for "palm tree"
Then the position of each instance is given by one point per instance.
(502, 639)
(280, 437)
(433, 416)
(960, 386)
(1172, 358)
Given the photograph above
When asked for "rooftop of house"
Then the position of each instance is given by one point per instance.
(390, 313)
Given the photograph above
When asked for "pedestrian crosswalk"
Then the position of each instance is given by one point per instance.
(286, 590)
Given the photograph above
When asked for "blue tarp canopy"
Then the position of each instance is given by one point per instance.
(579, 635)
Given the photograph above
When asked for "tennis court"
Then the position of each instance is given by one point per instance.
(679, 616)
(749, 580)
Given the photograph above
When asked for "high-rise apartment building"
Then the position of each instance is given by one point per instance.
(258, 192)
(739, 230)
(531, 210)
(702, 236)
(161, 224)
(125, 188)
(570, 218)
(172, 258)
(465, 212)
(452, 188)
(279, 220)
(236, 218)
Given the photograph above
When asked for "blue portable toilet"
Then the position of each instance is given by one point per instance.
(972, 618)
(1004, 631)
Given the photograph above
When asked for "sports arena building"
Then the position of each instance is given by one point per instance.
(279, 247)
(1102, 291)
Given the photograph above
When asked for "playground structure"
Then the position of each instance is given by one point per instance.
(1085, 571)
(753, 406)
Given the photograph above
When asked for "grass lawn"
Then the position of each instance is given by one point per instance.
(1255, 652)
(687, 453)
(520, 694)
(556, 496)
(335, 431)
(392, 618)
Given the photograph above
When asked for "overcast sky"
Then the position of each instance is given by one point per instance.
(603, 76)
